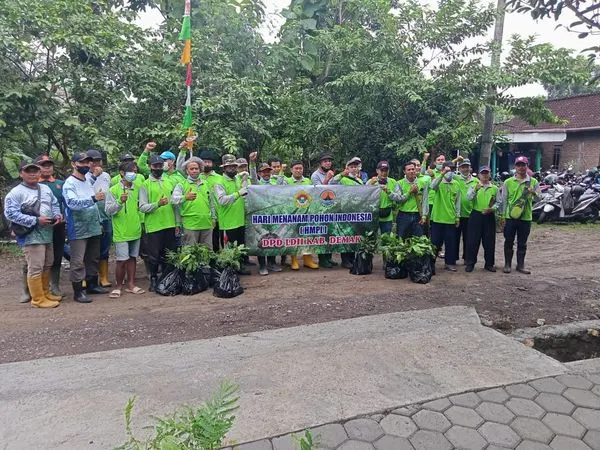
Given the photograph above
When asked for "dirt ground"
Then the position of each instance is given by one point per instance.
(564, 287)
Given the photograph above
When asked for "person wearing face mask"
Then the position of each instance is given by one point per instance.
(445, 216)
(169, 169)
(229, 194)
(412, 194)
(142, 161)
(387, 197)
(348, 177)
(433, 173)
(84, 229)
(465, 180)
(20, 209)
(210, 177)
(482, 222)
(196, 205)
(100, 181)
(58, 231)
(122, 202)
(323, 175)
(160, 222)
(126, 158)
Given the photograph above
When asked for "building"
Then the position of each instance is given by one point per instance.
(575, 144)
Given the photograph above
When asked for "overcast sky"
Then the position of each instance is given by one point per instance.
(521, 24)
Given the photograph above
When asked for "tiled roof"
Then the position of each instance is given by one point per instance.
(582, 111)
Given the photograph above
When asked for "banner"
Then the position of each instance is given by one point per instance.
(292, 220)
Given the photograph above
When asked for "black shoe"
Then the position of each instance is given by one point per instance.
(79, 294)
(153, 284)
(469, 268)
(523, 270)
(92, 286)
(243, 271)
(506, 269)
(333, 263)
(490, 268)
(347, 265)
(247, 262)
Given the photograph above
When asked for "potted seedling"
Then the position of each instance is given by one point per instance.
(363, 258)
(226, 265)
(191, 260)
(394, 255)
(420, 259)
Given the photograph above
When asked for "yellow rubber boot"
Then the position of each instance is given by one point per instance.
(309, 262)
(294, 265)
(103, 274)
(46, 287)
(38, 299)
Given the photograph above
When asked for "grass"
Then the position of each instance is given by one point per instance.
(574, 227)
(10, 249)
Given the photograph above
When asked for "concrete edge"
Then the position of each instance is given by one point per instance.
(584, 366)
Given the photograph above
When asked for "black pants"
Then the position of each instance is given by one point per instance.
(236, 235)
(482, 228)
(520, 229)
(462, 230)
(445, 234)
(157, 244)
(58, 243)
(217, 238)
(264, 260)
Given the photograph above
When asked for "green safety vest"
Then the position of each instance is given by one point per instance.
(127, 225)
(412, 205)
(232, 215)
(466, 206)
(293, 181)
(139, 179)
(485, 197)
(444, 201)
(514, 190)
(162, 217)
(195, 214)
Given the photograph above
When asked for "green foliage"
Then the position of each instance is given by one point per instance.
(399, 250)
(418, 246)
(369, 245)
(191, 258)
(201, 428)
(306, 441)
(230, 256)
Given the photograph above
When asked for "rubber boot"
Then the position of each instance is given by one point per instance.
(79, 294)
(103, 274)
(325, 261)
(92, 286)
(38, 299)
(283, 260)
(521, 262)
(309, 262)
(46, 286)
(508, 255)
(153, 271)
(25, 297)
(294, 265)
(55, 281)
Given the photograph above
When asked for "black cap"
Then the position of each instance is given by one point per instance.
(80, 156)
(383, 165)
(207, 155)
(155, 159)
(25, 164)
(42, 159)
(126, 157)
(94, 154)
(325, 155)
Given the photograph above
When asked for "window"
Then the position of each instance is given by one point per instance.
(556, 155)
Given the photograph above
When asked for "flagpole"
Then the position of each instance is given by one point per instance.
(185, 35)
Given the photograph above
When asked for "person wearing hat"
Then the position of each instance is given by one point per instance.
(210, 177)
(445, 216)
(33, 208)
(387, 196)
(411, 193)
(349, 177)
(155, 201)
(170, 170)
(482, 221)
(122, 205)
(125, 158)
(465, 180)
(229, 194)
(242, 165)
(84, 229)
(58, 231)
(142, 161)
(100, 182)
(323, 175)
(515, 203)
(196, 205)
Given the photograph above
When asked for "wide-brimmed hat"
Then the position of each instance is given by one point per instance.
(228, 160)
(355, 160)
(26, 164)
(264, 166)
(325, 155)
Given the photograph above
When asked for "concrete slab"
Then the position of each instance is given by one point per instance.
(290, 378)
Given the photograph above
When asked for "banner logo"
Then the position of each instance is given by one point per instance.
(303, 199)
(327, 198)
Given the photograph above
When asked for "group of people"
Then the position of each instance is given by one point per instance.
(162, 201)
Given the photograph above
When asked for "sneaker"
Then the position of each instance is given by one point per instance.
(450, 268)
(469, 268)
(506, 269)
(263, 271)
(523, 270)
(490, 268)
(273, 268)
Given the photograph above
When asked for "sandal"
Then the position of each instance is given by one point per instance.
(115, 293)
(136, 290)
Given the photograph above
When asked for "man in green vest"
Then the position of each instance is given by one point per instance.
(196, 205)
(465, 180)
(122, 205)
(445, 216)
(210, 177)
(229, 194)
(387, 196)
(125, 158)
(142, 161)
(516, 198)
(482, 222)
(412, 194)
(155, 203)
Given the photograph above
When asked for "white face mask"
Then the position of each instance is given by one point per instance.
(130, 176)
(166, 165)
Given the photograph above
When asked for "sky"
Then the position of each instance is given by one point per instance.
(546, 31)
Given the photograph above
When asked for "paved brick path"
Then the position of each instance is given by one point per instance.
(561, 413)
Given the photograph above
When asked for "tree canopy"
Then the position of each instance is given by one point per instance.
(354, 77)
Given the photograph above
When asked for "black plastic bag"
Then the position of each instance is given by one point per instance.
(395, 271)
(171, 283)
(227, 283)
(362, 264)
(420, 270)
(194, 283)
